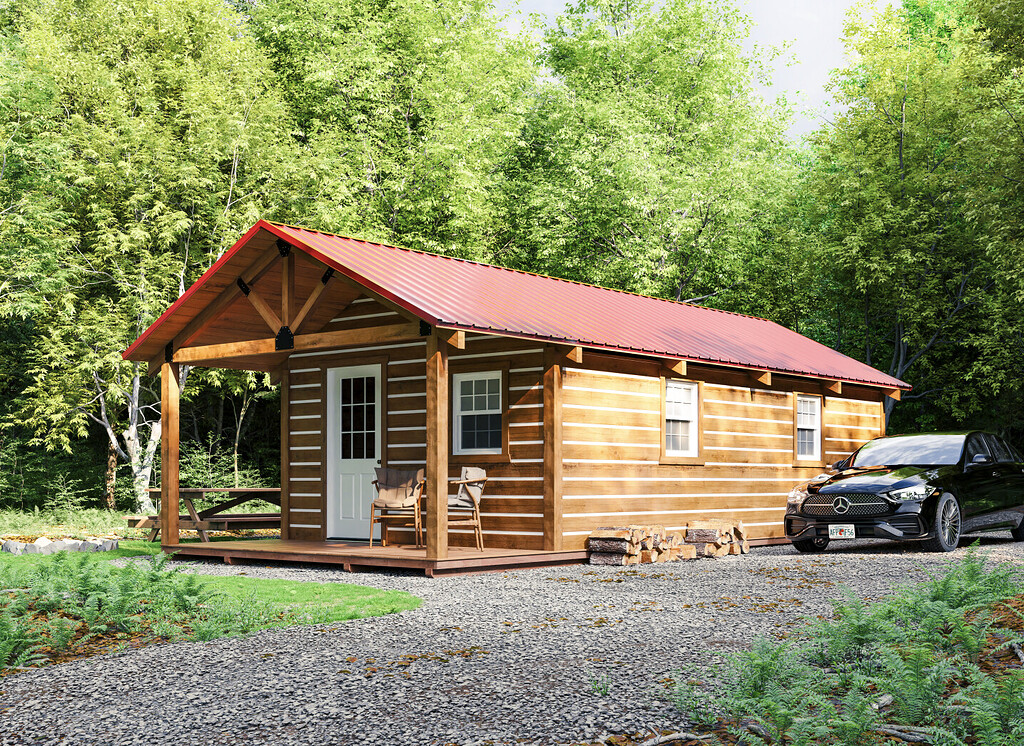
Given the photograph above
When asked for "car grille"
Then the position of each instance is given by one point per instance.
(860, 505)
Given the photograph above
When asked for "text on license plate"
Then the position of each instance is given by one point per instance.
(842, 531)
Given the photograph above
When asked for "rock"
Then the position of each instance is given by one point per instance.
(72, 545)
(89, 546)
(14, 547)
(883, 702)
(58, 545)
(31, 549)
(41, 544)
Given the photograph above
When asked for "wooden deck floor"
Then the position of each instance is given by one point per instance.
(357, 556)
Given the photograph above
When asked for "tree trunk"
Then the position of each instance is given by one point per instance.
(111, 477)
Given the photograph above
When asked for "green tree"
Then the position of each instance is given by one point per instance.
(894, 230)
(141, 138)
(405, 110)
(647, 162)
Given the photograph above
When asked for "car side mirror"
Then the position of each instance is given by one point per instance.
(839, 465)
(981, 459)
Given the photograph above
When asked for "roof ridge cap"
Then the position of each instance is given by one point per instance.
(524, 272)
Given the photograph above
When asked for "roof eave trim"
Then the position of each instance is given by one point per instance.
(901, 385)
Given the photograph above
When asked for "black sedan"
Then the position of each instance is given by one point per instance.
(931, 488)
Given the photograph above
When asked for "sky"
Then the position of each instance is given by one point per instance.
(813, 28)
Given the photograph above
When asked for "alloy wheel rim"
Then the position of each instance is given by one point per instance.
(950, 523)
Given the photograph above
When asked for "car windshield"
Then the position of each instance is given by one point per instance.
(931, 450)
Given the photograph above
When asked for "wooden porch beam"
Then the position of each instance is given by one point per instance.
(437, 448)
(836, 387)
(763, 377)
(894, 394)
(264, 310)
(209, 314)
(553, 359)
(323, 340)
(170, 393)
(287, 289)
(312, 301)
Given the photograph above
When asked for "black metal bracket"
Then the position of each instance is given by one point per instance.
(243, 287)
(284, 340)
(283, 247)
(169, 353)
(424, 329)
(327, 275)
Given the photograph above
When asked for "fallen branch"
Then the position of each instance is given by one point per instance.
(674, 738)
(1018, 651)
(15, 590)
(905, 733)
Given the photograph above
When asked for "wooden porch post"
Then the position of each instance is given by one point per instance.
(170, 381)
(285, 454)
(437, 447)
(553, 448)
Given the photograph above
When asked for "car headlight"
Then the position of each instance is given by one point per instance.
(796, 496)
(916, 493)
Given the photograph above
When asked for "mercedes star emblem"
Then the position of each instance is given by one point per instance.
(840, 505)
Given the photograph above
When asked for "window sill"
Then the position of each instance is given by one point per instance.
(479, 458)
(681, 460)
(809, 463)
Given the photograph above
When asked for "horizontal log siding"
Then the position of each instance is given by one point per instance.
(305, 453)
(612, 473)
(308, 411)
(512, 509)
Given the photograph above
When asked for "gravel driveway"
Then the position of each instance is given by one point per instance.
(555, 656)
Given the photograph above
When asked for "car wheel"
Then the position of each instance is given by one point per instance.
(817, 544)
(946, 526)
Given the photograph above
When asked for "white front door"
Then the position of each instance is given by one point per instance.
(353, 449)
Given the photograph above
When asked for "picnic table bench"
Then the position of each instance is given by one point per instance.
(214, 518)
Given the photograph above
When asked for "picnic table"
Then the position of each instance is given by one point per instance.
(214, 518)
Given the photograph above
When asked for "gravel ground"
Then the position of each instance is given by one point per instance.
(551, 656)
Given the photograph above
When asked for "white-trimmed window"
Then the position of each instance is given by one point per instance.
(477, 410)
(808, 427)
(680, 418)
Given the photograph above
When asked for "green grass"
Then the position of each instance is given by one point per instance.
(67, 605)
(315, 603)
(75, 523)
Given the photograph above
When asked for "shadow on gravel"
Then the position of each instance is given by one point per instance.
(884, 546)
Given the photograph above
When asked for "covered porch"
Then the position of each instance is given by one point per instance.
(265, 301)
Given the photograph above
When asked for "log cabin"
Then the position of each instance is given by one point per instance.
(587, 407)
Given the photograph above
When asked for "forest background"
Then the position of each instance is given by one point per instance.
(624, 146)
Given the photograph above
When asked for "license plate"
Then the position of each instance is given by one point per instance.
(842, 531)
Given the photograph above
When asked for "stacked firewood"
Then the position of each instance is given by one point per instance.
(636, 545)
(714, 538)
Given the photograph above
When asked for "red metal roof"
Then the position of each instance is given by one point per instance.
(469, 295)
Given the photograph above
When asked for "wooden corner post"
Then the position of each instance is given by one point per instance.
(285, 454)
(170, 384)
(553, 358)
(437, 447)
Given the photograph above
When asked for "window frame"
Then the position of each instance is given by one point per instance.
(459, 372)
(696, 454)
(818, 458)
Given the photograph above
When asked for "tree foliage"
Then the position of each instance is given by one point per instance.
(626, 147)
